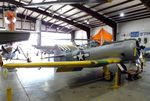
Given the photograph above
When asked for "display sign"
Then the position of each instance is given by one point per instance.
(134, 34)
(144, 33)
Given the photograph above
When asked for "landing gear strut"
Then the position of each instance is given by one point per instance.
(108, 76)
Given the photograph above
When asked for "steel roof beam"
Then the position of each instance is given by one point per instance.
(134, 12)
(56, 11)
(67, 2)
(95, 14)
(64, 13)
(43, 22)
(146, 3)
(46, 10)
(34, 20)
(115, 11)
(98, 16)
(50, 15)
(81, 11)
(105, 8)
(143, 17)
(115, 5)
(133, 17)
(124, 8)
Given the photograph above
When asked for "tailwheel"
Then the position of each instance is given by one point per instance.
(29, 60)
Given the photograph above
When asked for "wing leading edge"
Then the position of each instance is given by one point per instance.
(65, 64)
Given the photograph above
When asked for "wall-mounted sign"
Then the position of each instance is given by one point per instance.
(144, 33)
(134, 34)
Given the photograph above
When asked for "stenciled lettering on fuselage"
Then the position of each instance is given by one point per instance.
(81, 55)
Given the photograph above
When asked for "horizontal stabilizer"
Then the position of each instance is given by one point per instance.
(55, 56)
(68, 69)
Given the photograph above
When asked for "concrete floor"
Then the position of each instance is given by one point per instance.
(46, 85)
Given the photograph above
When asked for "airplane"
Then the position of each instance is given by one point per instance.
(118, 52)
(100, 38)
(9, 35)
(8, 53)
(65, 48)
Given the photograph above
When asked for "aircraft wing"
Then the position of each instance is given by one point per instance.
(64, 66)
(8, 37)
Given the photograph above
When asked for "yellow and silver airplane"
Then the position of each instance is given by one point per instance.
(117, 52)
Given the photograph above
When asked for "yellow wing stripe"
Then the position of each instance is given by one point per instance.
(66, 64)
(48, 64)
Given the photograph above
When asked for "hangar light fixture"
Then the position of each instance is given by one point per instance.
(122, 14)
(86, 21)
(57, 28)
(16, 11)
(68, 26)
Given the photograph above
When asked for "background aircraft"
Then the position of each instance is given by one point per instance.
(10, 35)
(8, 52)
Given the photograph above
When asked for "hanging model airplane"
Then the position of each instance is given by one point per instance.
(117, 52)
(10, 34)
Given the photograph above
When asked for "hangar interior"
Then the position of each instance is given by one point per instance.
(71, 25)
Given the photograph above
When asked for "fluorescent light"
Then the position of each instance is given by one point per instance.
(68, 26)
(57, 28)
(122, 14)
(86, 21)
(16, 11)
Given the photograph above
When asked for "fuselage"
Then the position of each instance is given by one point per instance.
(126, 50)
(9, 55)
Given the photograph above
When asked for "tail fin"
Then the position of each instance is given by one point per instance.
(4, 50)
